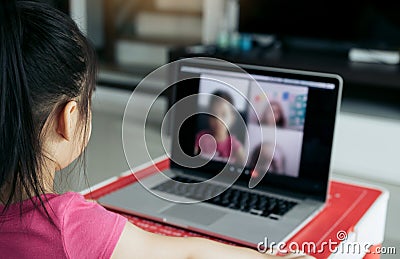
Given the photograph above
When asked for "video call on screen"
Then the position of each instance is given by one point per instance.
(261, 105)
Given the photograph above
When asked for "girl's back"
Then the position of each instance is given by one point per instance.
(79, 229)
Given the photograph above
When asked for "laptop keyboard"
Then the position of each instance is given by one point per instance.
(233, 198)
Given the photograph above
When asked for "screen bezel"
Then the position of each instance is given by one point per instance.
(313, 185)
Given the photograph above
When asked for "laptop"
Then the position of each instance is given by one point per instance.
(250, 152)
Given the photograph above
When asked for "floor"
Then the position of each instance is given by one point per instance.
(106, 157)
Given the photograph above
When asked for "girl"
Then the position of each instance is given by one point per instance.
(46, 82)
(218, 138)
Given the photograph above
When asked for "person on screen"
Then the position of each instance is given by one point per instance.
(217, 141)
(274, 115)
(265, 158)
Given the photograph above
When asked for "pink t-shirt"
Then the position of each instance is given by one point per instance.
(81, 229)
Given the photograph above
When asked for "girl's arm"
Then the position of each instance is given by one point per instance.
(137, 243)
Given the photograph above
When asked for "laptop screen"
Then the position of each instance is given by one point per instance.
(260, 121)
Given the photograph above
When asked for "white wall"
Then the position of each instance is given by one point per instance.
(367, 147)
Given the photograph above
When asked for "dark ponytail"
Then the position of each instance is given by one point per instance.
(45, 61)
(18, 145)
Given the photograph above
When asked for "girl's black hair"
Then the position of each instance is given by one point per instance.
(45, 62)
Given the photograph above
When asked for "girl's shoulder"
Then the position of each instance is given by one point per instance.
(79, 228)
(55, 203)
(66, 199)
(74, 207)
(57, 207)
(88, 226)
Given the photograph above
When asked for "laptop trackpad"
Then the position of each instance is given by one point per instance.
(194, 213)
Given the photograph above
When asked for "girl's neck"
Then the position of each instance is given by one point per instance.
(47, 184)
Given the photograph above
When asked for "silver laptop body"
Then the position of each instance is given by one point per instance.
(310, 102)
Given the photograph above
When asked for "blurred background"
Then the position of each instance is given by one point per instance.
(359, 40)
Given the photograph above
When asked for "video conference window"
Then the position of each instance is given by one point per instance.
(221, 124)
(286, 111)
(237, 123)
(287, 108)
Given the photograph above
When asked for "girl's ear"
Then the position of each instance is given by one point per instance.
(67, 120)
